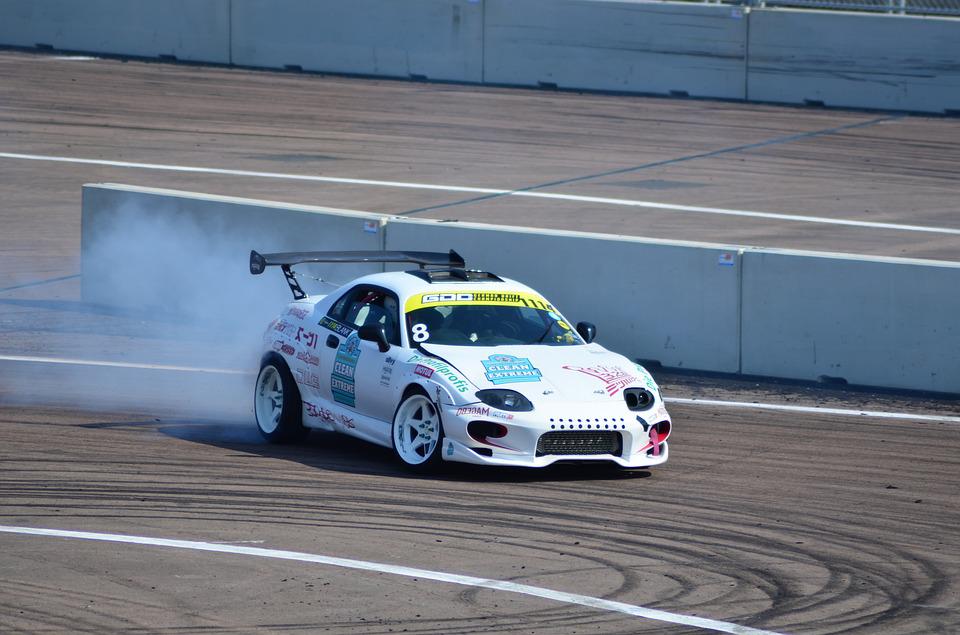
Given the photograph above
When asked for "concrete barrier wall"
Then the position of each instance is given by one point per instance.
(631, 46)
(676, 303)
(855, 60)
(435, 39)
(873, 321)
(193, 30)
(188, 253)
(703, 50)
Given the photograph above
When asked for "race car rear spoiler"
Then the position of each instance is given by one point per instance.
(259, 262)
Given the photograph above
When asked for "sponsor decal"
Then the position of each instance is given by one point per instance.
(283, 326)
(559, 320)
(307, 337)
(476, 411)
(647, 379)
(320, 413)
(390, 360)
(342, 383)
(307, 378)
(726, 260)
(339, 328)
(497, 298)
(431, 298)
(662, 412)
(442, 369)
(423, 371)
(614, 378)
(300, 314)
(308, 358)
(508, 369)
(449, 449)
(483, 411)
(347, 422)
(386, 374)
(371, 226)
(282, 347)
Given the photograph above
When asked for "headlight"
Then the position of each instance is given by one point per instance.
(638, 398)
(505, 400)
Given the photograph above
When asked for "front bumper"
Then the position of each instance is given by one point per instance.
(639, 441)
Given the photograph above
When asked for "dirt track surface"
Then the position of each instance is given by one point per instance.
(793, 522)
(872, 167)
(807, 525)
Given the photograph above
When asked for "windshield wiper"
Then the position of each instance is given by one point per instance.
(545, 333)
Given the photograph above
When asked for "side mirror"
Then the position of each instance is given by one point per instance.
(375, 333)
(586, 330)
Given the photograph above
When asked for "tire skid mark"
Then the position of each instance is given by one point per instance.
(685, 543)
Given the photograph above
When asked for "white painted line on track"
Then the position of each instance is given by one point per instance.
(813, 410)
(265, 175)
(410, 572)
(493, 191)
(680, 400)
(91, 362)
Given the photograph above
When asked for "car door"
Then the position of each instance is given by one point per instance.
(359, 374)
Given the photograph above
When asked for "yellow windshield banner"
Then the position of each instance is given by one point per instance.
(489, 298)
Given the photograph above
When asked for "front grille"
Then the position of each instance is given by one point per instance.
(580, 442)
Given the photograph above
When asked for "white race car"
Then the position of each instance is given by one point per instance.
(444, 363)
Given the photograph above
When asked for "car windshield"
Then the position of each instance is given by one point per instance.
(489, 325)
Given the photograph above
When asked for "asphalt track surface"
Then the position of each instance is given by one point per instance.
(788, 521)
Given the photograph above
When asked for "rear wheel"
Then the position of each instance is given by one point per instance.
(418, 433)
(276, 402)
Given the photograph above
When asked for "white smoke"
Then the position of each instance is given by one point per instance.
(159, 289)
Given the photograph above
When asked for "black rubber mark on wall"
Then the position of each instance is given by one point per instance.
(40, 282)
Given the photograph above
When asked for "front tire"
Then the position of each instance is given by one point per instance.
(418, 433)
(277, 403)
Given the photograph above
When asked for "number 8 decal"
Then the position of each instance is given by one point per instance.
(420, 333)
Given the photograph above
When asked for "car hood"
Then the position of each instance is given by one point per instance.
(588, 373)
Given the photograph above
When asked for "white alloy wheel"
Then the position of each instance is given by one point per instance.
(417, 431)
(268, 400)
(277, 403)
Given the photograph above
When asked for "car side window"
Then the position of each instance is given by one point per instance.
(369, 305)
(339, 307)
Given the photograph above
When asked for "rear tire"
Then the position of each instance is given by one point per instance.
(418, 433)
(277, 404)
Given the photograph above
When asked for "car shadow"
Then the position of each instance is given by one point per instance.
(340, 453)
